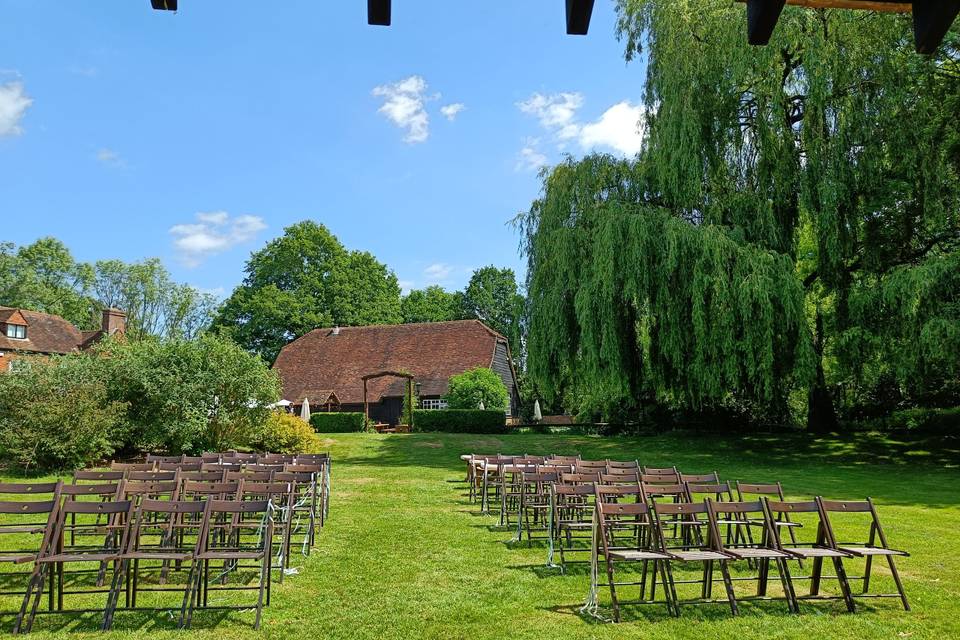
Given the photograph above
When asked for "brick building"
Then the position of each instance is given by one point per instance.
(25, 332)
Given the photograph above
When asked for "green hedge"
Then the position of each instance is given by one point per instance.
(337, 422)
(460, 421)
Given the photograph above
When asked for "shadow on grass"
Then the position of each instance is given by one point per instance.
(841, 466)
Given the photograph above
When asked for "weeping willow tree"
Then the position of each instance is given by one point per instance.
(631, 304)
(815, 178)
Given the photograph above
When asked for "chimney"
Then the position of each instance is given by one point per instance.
(114, 321)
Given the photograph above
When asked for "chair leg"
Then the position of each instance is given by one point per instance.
(844, 584)
(896, 578)
(786, 581)
(613, 592)
(728, 585)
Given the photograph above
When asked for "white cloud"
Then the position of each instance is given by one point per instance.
(450, 111)
(406, 286)
(437, 273)
(13, 104)
(530, 158)
(618, 129)
(557, 113)
(404, 105)
(213, 233)
(110, 157)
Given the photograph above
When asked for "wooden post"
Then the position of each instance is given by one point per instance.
(410, 401)
(366, 407)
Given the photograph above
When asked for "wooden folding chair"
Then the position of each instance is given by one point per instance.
(687, 549)
(281, 497)
(59, 553)
(615, 476)
(534, 509)
(874, 546)
(757, 548)
(811, 548)
(757, 491)
(25, 528)
(631, 466)
(152, 457)
(622, 537)
(234, 545)
(571, 519)
(164, 532)
(132, 466)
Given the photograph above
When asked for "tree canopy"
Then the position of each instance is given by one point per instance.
(432, 304)
(302, 280)
(788, 230)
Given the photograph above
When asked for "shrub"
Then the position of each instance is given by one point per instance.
(56, 413)
(461, 421)
(189, 395)
(286, 433)
(468, 389)
(337, 422)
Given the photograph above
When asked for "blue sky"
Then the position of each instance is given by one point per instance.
(197, 136)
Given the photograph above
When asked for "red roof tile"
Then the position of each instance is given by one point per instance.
(431, 351)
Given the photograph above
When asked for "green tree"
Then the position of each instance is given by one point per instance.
(468, 389)
(836, 147)
(492, 296)
(433, 304)
(44, 277)
(303, 280)
(187, 395)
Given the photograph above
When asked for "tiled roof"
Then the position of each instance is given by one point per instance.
(431, 351)
(45, 333)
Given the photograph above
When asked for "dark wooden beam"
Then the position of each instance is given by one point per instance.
(931, 20)
(578, 16)
(164, 5)
(762, 16)
(378, 12)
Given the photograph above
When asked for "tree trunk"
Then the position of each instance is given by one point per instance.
(821, 416)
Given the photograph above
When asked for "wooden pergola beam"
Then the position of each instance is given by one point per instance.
(931, 21)
(931, 18)
(378, 12)
(578, 17)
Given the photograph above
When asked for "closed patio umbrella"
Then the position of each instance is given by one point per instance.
(305, 410)
(537, 416)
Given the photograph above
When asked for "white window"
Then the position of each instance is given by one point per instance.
(433, 403)
(17, 331)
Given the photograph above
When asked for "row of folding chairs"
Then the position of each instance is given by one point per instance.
(620, 512)
(141, 533)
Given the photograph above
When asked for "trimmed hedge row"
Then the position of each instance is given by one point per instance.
(460, 421)
(337, 422)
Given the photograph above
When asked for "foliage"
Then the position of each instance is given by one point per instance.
(155, 305)
(433, 304)
(44, 277)
(945, 422)
(186, 396)
(303, 280)
(492, 297)
(335, 422)
(831, 153)
(56, 413)
(468, 389)
(460, 421)
(286, 433)
(630, 303)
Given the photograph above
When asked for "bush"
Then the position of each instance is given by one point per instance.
(56, 413)
(461, 421)
(337, 422)
(919, 421)
(468, 389)
(286, 433)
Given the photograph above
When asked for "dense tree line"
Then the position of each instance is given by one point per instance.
(44, 276)
(786, 243)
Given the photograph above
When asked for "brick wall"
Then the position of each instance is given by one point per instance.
(5, 361)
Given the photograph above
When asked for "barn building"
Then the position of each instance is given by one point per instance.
(327, 366)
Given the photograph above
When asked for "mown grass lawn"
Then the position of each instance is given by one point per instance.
(406, 555)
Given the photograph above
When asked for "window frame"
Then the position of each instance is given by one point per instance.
(16, 331)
